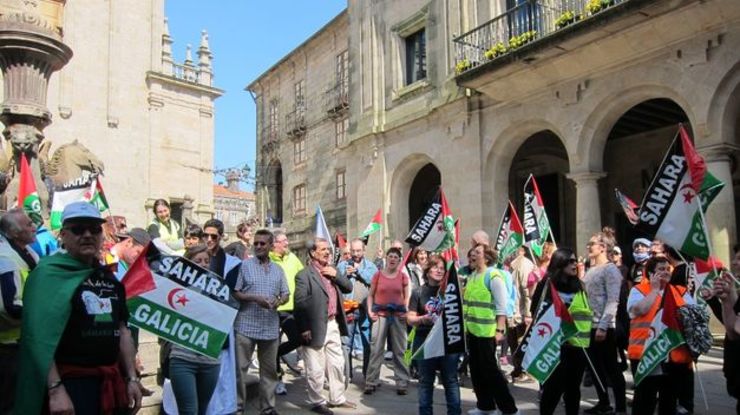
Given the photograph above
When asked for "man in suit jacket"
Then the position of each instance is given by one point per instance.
(321, 321)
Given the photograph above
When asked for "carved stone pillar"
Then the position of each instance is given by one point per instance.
(588, 208)
(31, 49)
(721, 214)
(187, 211)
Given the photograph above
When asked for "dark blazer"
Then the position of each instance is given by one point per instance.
(312, 303)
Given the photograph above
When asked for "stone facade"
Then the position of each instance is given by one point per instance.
(586, 109)
(148, 119)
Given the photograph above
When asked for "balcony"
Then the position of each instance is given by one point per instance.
(539, 43)
(336, 99)
(295, 122)
(269, 139)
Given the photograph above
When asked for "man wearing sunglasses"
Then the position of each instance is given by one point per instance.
(222, 263)
(76, 349)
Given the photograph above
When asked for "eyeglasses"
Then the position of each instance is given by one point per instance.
(79, 230)
(211, 236)
(259, 243)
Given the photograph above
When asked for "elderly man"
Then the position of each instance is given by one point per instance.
(261, 288)
(360, 271)
(321, 322)
(222, 263)
(17, 259)
(76, 348)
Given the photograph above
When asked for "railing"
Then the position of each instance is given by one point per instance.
(295, 122)
(269, 138)
(528, 21)
(337, 98)
(185, 72)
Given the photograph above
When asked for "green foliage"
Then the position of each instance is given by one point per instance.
(565, 19)
(524, 38)
(496, 50)
(595, 6)
(462, 66)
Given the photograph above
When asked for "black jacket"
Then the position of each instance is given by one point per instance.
(312, 302)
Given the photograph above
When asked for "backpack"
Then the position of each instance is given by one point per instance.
(694, 319)
(511, 294)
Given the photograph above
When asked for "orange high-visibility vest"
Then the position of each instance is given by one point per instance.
(640, 325)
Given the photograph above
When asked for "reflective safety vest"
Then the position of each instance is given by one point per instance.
(11, 261)
(640, 325)
(582, 317)
(478, 309)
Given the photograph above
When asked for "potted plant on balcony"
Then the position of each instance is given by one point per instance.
(568, 17)
(496, 50)
(462, 66)
(524, 38)
(595, 6)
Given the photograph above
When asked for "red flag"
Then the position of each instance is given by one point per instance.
(139, 279)
(28, 197)
(670, 309)
(695, 162)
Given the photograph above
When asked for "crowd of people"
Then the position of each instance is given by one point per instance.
(66, 346)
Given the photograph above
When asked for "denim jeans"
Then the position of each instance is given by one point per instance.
(359, 334)
(447, 366)
(193, 385)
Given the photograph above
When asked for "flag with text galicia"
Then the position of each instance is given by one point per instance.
(435, 229)
(177, 300)
(96, 195)
(628, 206)
(28, 197)
(553, 327)
(536, 224)
(374, 226)
(670, 208)
(665, 335)
(446, 335)
(705, 273)
(510, 234)
(72, 191)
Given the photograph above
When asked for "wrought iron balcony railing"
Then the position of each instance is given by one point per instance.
(337, 99)
(529, 21)
(295, 122)
(269, 138)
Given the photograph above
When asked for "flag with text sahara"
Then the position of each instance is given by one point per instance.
(28, 197)
(177, 300)
(665, 335)
(536, 224)
(73, 191)
(705, 273)
(510, 234)
(435, 229)
(553, 327)
(670, 208)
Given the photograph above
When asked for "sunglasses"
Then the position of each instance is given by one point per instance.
(210, 236)
(572, 261)
(80, 230)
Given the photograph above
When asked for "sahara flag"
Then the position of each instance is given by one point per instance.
(705, 273)
(340, 243)
(665, 335)
(96, 195)
(189, 305)
(510, 234)
(372, 227)
(536, 224)
(28, 197)
(670, 208)
(446, 336)
(628, 206)
(542, 347)
(435, 229)
(72, 191)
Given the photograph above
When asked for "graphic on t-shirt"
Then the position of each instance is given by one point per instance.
(101, 308)
(433, 307)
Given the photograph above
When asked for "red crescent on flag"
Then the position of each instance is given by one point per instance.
(171, 296)
(545, 330)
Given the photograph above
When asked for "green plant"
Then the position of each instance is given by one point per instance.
(526, 37)
(462, 66)
(496, 50)
(595, 6)
(565, 19)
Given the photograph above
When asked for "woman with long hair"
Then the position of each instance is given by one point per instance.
(415, 266)
(387, 303)
(562, 280)
(425, 307)
(164, 228)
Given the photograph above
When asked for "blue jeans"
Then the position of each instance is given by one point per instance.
(447, 366)
(193, 385)
(359, 332)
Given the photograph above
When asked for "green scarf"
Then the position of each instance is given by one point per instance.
(46, 308)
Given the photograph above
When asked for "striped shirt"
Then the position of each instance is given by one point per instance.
(264, 279)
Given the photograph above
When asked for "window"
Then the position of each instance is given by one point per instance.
(299, 150)
(299, 199)
(342, 73)
(273, 119)
(300, 105)
(340, 131)
(341, 186)
(416, 57)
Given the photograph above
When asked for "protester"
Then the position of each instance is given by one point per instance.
(193, 235)
(565, 381)
(45, 243)
(241, 247)
(321, 322)
(425, 307)
(164, 228)
(261, 288)
(615, 256)
(415, 266)
(345, 253)
(645, 300)
(640, 253)
(291, 265)
(71, 359)
(130, 245)
(657, 248)
(360, 271)
(387, 303)
(479, 237)
(603, 283)
(223, 264)
(518, 305)
(543, 261)
(484, 307)
(17, 260)
(380, 255)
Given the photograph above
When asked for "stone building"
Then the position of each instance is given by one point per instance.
(232, 205)
(475, 96)
(148, 118)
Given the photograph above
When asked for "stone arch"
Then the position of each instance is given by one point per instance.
(723, 120)
(401, 184)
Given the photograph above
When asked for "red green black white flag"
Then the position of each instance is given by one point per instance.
(510, 234)
(28, 197)
(536, 224)
(435, 229)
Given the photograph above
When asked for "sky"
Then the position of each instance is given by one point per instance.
(246, 38)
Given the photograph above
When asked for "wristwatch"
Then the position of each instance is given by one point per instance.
(133, 379)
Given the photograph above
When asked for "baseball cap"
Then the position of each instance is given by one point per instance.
(81, 211)
(140, 236)
(641, 241)
(617, 250)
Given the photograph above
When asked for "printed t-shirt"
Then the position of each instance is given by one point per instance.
(425, 301)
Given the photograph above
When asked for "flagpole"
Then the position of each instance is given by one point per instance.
(709, 242)
(701, 386)
(593, 370)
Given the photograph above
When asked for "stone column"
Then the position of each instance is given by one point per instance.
(31, 49)
(588, 208)
(721, 214)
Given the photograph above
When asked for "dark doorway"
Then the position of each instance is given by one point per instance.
(423, 189)
(274, 183)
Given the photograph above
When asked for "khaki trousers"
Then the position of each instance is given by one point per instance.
(380, 331)
(267, 356)
(326, 362)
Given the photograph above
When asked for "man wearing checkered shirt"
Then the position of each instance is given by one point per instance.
(260, 287)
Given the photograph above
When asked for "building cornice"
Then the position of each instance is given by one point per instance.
(210, 91)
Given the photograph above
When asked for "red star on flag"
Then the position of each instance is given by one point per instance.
(182, 300)
(688, 196)
(541, 332)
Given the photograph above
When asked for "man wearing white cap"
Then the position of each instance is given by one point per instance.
(75, 346)
(640, 253)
